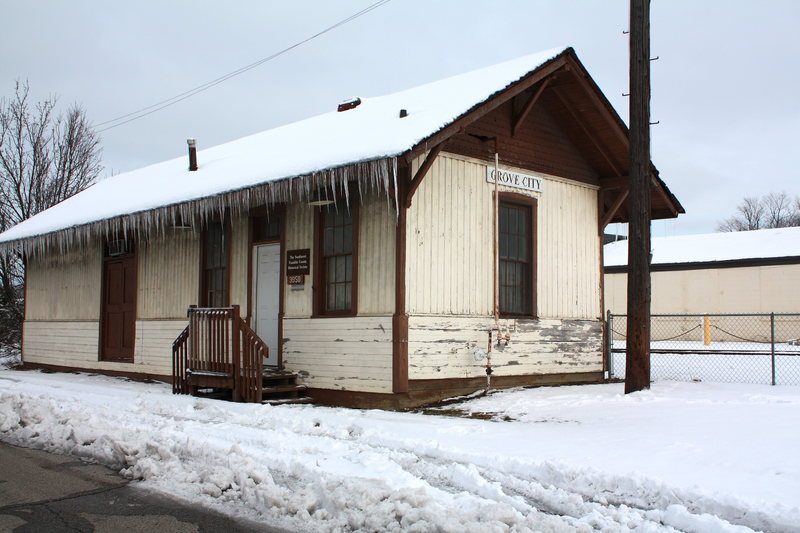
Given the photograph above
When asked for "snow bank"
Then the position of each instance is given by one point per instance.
(693, 457)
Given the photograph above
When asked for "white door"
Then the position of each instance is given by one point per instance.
(266, 296)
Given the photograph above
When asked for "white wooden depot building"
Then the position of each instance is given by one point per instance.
(367, 252)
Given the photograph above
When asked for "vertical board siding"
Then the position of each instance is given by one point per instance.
(450, 244)
(449, 241)
(376, 252)
(75, 344)
(299, 234)
(168, 275)
(569, 252)
(65, 287)
(239, 262)
(442, 347)
(353, 353)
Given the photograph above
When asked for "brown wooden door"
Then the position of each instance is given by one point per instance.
(119, 309)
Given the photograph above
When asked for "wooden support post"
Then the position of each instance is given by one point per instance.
(236, 353)
(637, 363)
(400, 318)
(706, 330)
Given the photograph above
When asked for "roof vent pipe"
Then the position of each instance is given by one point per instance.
(192, 153)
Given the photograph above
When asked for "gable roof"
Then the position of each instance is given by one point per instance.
(362, 143)
(690, 250)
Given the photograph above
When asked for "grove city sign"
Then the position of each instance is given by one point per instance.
(514, 179)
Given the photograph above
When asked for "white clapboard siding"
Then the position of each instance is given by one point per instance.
(64, 287)
(353, 353)
(76, 344)
(442, 347)
(449, 265)
(168, 275)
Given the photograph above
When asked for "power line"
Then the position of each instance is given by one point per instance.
(158, 106)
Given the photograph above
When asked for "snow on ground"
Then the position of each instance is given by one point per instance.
(9, 357)
(694, 457)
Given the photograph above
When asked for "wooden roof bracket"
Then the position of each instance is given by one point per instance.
(612, 211)
(422, 171)
(528, 106)
(603, 151)
(489, 105)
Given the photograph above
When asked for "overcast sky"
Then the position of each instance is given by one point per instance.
(725, 88)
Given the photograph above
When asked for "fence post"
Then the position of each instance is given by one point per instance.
(610, 344)
(772, 340)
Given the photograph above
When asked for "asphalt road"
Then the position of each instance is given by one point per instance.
(55, 493)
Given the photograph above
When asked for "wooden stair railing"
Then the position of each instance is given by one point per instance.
(180, 355)
(218, 350)
(253, 350)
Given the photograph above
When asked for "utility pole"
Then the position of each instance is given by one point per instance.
(637, 350)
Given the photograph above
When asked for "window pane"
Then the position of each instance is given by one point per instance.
(514, 272)
(337, 249)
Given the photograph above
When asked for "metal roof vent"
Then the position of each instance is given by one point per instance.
(349, 104)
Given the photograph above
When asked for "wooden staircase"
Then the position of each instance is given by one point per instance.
(280, 387)
(219, 356)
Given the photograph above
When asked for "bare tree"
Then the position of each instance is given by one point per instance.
(773, 210)
(44, 158)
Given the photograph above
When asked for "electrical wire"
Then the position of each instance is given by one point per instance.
(158, 106)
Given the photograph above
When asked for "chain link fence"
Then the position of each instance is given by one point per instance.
(726, 348)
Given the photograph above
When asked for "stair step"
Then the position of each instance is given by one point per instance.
(283, 388)
(288, 401)
(274, 375)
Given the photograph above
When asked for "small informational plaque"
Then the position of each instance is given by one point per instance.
(297, 262)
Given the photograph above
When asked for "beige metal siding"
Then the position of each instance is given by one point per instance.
(75, 344)
(352, 354)
(441, 347)
(761, 289)
(65, 287)
(449, 252)
(168, 275)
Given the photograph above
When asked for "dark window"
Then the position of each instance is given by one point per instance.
(215, 266)
(516, 243)
(337, 255)
(266, 229)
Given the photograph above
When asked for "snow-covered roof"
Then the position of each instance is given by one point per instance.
(369, 132)
(711, 247)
